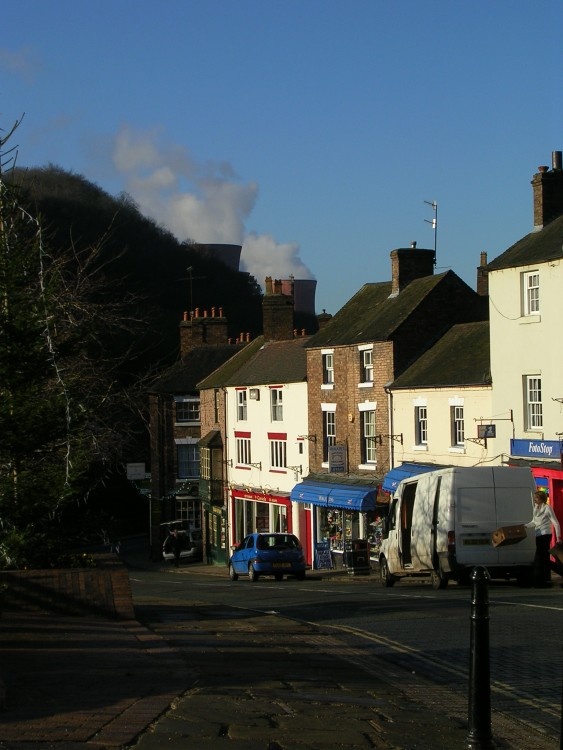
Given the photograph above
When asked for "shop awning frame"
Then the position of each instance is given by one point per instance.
(404, 471)
(341, 496)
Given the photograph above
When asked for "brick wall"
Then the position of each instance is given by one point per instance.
(104, 590)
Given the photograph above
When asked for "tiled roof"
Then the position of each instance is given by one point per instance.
(263, 362)
(537, 247)
(372, 315)
(460, 357)
(184, 375)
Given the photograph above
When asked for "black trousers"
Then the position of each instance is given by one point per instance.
(542, 568)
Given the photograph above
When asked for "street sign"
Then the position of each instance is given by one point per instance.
(136, 471)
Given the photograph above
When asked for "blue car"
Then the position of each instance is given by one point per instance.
(270, 554)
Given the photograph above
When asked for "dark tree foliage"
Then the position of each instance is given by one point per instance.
(91, 295)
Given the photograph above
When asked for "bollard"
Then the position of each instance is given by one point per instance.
(479, 715)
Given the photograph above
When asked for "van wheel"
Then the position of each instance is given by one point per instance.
(439, 580)
(232, 575)
(252, 574)
(278, 576)
(387, 580)
(525, 577)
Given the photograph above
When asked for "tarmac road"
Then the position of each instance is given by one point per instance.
(210, 678)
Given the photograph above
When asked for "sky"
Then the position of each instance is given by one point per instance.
(318, 134)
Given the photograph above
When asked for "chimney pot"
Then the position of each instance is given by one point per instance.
(543, 169)
(556, 157)
(185, 314)
(220, 312)
(196, 313)
(212, 312)
(413, 244)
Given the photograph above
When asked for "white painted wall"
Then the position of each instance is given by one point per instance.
(259, 424)
(476, 403)
(526, 345)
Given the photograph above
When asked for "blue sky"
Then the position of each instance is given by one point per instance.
(314, 133)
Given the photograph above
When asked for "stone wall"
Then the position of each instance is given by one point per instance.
(103, 590)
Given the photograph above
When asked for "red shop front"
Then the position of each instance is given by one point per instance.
(256, 510)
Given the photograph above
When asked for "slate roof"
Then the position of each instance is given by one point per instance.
(537, 247)
(460, 357)
(183, 376)
(371, 315)
(262, 362)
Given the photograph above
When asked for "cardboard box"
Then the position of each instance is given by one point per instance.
(557, 551)
(508, 535)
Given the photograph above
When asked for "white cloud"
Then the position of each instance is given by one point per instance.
(200, 202)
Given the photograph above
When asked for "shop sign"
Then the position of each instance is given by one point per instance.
(550, 449)
(337, 459)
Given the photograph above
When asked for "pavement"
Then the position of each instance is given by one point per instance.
(202, 678)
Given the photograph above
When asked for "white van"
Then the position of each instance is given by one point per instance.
(440, 524)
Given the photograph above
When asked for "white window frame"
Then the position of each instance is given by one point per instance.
(421, 425)
(534, 404)
(242, 405)
(244, 451)
(276, 404)
(278, 454)
(458, 425)
(329, 435)
(366, 365)
(531, 292)
(328, 368)
(368, 436)
(187, 410)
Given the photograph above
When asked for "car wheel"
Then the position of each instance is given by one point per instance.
(252, 574)
(439, 580)
(278, 576)
(387, 580)
(232, 575)
(300, 576)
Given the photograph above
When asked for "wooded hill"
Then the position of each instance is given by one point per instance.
(140, 259)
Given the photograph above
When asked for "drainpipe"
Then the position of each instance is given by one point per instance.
(226, 472)
(391, 432)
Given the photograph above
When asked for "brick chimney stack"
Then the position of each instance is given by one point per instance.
(277, 312)
(483, 276)
(408, 264)
(199, 328)
(548, 192)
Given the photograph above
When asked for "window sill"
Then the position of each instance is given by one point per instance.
(367, 384)
(278, 471)
(327, 386)
(525, 319)
(367, 467)
(241, 466)
(456, 449)
(420, 447)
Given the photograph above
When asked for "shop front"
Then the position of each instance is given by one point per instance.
(545, 459)
(335, 516)
(258, 510)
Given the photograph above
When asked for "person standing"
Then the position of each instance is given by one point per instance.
(176, 545)
(543, 520)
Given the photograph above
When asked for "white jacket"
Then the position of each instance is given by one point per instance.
(543, 519)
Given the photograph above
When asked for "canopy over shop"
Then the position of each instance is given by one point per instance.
(404, 471)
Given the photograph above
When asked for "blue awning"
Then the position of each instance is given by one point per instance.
(347, 497)
(393, 477)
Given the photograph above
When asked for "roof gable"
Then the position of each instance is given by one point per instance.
(373, 315)
(263, 362)
(537, 247)
(460, 357)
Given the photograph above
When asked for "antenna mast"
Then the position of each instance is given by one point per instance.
(434, 223)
